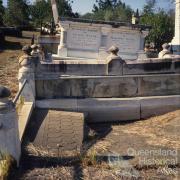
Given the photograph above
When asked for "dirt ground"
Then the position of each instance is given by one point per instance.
(147, 150)
(9, 54)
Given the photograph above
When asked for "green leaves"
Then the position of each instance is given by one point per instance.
(110, 10)
(162, 26)
(2, 11)
(41, 11)
(16, 13)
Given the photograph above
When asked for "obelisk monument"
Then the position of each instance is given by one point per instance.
(55, 11)
(176, 40)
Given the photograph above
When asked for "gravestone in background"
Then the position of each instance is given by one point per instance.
(91, 39)
(176, 40)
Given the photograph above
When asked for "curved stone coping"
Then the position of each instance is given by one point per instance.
(115, 109)
(51, 76)
(154, 60)
(74, 60)
(92, 67)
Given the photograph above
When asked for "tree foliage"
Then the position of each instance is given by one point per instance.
(41, 11)
(162, 24)
(110, 10)
(1, 12)
(17, 13)
(149, 7)
(65, 8)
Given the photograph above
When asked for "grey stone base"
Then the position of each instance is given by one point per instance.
(115, 109)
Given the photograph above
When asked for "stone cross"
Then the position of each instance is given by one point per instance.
(176, 40)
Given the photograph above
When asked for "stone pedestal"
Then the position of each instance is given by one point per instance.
(26, 72)
(176, 40)
(28, 92)
(9, 134)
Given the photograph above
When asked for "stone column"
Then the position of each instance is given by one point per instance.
(26, 72)
(9, 132)
(62, 48)
(176, 40)
(103, 44)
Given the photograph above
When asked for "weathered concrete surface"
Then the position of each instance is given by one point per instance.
(23, 117)
(108, 86)
(62, 104)
(159, 85)
(107, 110)
(49, 43)
(9, 135)
(97, 109)
(55, 131)
(74, 66)
(115, 109)
(153, 106)
(115, 65)
(152, 66)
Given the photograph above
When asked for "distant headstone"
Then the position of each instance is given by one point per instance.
(176, 40)
(91, 39)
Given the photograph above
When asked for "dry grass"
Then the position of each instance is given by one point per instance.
(6, 162)
(155, 130)
(37, 151)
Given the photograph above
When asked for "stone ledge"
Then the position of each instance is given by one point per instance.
(115, 109)
(153, 106)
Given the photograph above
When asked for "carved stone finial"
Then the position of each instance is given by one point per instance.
(4, 92)
(166, 46)
(27, 49)
(4, 100)
(165, 53)
(113, 50)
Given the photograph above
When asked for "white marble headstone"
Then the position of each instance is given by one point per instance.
(91, 40)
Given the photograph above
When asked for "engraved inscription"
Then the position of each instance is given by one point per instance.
(87, 39)
(127, 42)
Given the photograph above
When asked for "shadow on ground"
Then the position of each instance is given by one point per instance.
(9, 45)
(84, 165)
(34, 160)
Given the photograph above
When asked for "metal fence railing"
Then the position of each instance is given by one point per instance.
(19, 92)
